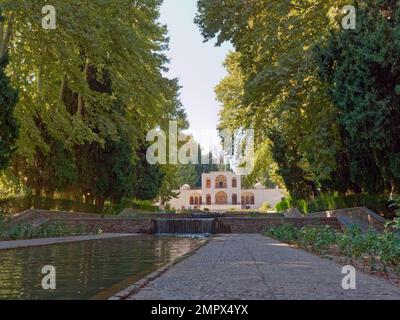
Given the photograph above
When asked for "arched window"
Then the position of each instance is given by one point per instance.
(208, 199)
(196, 201)
(248, 198)
(200, 200)
(220, 182)
(191, 201)
(208, 183)
(234, 183)
(234, 199)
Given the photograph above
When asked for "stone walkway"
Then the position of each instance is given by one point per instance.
(255, 267)
(42, 242)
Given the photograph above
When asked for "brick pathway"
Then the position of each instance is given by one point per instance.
(255, 267)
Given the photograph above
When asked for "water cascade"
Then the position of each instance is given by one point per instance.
(185, 226)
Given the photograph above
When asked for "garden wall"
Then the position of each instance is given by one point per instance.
(363, 217)
(92, 222)
(229, 223)
(259, 225)
(109, 225)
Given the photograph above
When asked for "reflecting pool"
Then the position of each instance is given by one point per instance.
(94, 269)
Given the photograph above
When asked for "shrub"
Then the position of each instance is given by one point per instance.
(265, 207)
(285, 204)
(47, 230)
(145, 205)
(286, 233)
(318, 239)
(371, 246)
(396, 205)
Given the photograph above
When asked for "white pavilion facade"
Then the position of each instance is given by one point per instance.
(222, 191)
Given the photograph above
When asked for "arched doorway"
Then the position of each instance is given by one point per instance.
(208, 199)
(234, 199)
(221, 198)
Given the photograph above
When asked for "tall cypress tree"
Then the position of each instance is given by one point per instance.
(362, 68)
(9, 127)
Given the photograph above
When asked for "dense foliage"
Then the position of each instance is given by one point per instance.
(89, 92)
(323, 100)
(12, 205)
(361, 67)
(8, 123)
(47, 230)
(273, 86)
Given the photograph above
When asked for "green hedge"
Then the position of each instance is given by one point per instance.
(142, 205)
(18, 204)
(332, 201)
(48, 230)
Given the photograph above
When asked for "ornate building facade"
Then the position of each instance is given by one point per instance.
(222, 191)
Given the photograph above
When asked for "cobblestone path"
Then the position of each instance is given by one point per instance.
(255, 267)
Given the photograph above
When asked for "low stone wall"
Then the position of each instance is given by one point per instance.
(361, 216)
(259, 225)
(91, 222)
(226, 224)
(108, 225)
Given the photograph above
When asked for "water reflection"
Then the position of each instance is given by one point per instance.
(86, 269)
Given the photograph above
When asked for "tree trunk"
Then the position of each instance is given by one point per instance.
(5, 36)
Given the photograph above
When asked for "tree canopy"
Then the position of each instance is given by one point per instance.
(90, 89)
(298, 78)
(361, 67)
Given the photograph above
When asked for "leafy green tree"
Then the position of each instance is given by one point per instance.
(361, 67)
(273, 84)
(148, 178)
(187, 174)
(89, 96)
(8, 123)
(290, 169)
(8, 100)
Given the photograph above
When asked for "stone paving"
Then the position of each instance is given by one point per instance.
(41, 242)
(240, 267)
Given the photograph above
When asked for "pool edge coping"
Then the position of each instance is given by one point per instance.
(26, 243)
(140, 284)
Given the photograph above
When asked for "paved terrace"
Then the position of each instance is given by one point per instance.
(256, 267)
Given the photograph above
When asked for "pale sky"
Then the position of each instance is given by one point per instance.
(196, 64)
